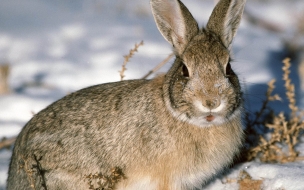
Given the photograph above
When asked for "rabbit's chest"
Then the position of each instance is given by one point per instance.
(144, 182)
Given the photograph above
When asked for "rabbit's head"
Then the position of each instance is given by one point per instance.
(201, 87)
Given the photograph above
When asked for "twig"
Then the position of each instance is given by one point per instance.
(158, 66)
(29, 172)
(290, 88)
(284, 132)
(127, 58)
(4, 74)
(299, 158)
(7, 142)
(40, 172)
(269, 97)
(105, 182)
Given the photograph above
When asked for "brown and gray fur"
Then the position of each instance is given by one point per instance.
(174, 132)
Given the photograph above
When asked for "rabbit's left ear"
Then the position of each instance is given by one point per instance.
(175, 22)
(225, 19)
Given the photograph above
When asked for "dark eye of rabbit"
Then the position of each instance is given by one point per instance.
(185, 71)
(229, 70)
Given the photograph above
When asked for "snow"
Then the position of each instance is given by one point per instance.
(57, 47)
(274, 176)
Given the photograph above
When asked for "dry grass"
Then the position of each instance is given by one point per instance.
(245, 181)
(36, 176)
(4, 74)
(100, 181)
(155, 69)
(130, 55)
(127, 59)
(285, 132)
(7, 142)
(24, 165)
(34, 172)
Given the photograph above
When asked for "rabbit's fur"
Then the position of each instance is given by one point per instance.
(173, 132)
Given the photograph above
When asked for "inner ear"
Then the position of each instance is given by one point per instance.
(175, 22)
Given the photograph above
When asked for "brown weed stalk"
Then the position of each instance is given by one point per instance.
(100, 181)
(34, 172)
(7, 142)
(285, 132)
(29, 172)
(255, 124)
(157, 67)
(4, 75)
(245, 181)
(259, 118)
(127, 59)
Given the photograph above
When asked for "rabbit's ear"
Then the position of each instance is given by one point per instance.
(175, 22)
(225, 19)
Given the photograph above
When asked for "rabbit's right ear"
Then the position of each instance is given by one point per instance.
(175, 22)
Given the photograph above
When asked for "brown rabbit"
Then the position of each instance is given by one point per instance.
(173, 132)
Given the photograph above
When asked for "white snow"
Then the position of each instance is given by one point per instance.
(57, 47)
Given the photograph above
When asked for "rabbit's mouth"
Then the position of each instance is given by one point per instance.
(210, 118)
(213, 118)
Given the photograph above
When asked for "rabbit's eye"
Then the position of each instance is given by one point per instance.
(229, 71)
(185, 71)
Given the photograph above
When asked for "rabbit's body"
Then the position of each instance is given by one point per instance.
(154, 153)
(173, 132)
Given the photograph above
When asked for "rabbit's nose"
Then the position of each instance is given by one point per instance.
(212, 103)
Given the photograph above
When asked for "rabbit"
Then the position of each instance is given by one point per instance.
(176, 131)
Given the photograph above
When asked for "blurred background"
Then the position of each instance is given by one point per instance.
(51, 48)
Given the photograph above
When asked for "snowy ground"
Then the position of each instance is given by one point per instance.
(57, 47)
